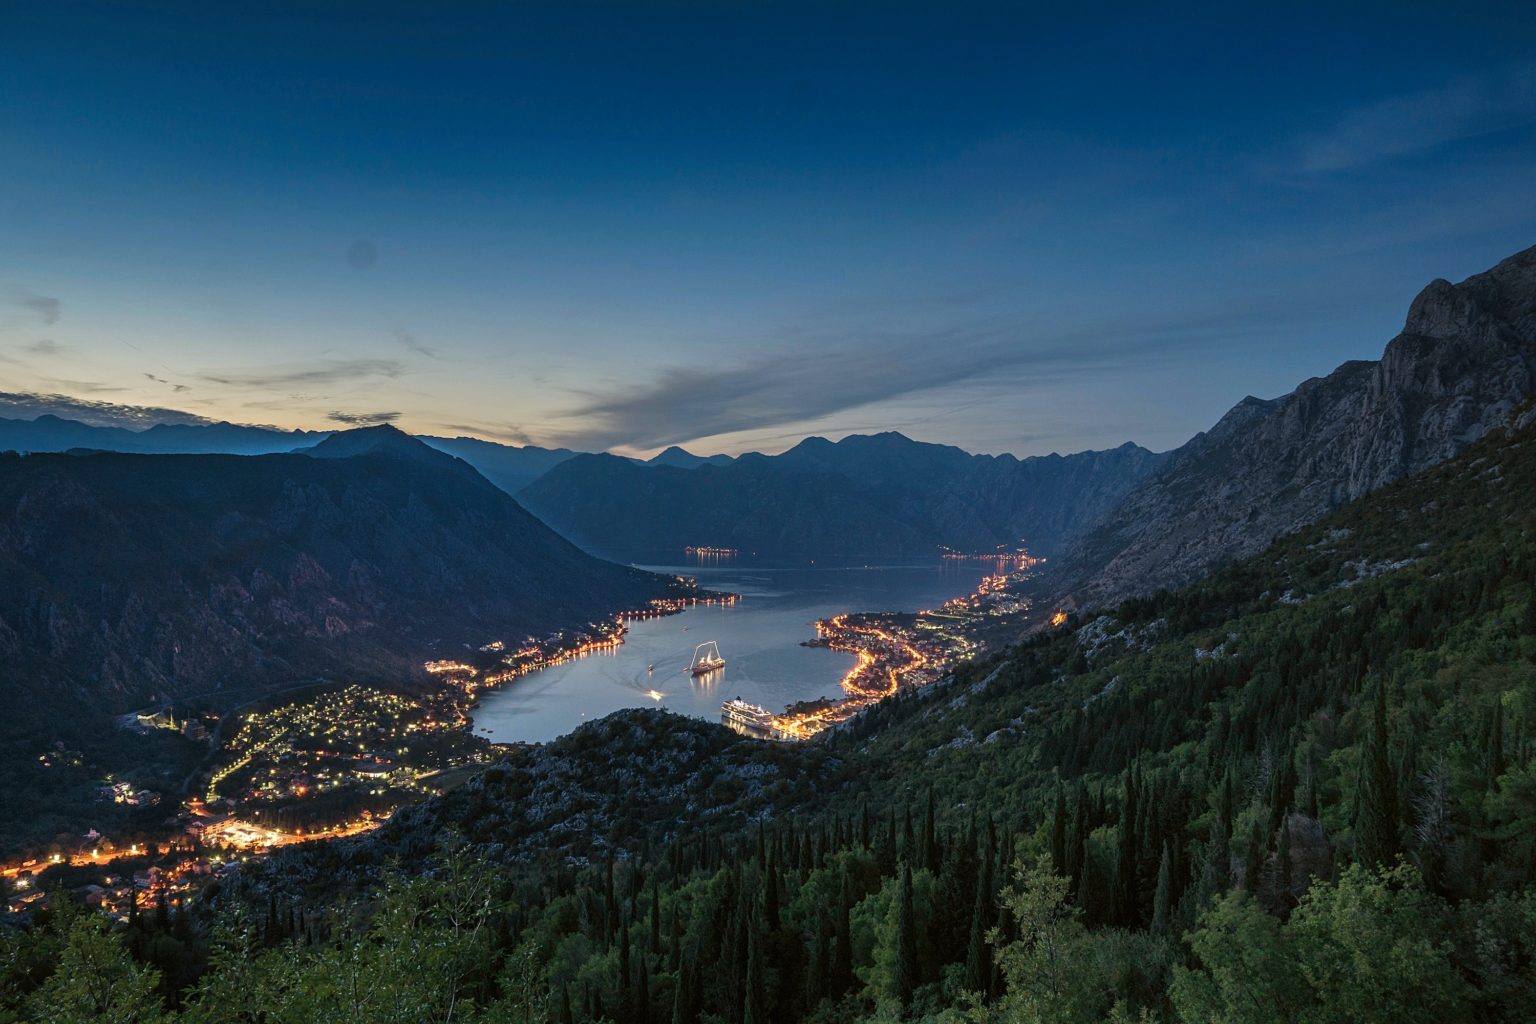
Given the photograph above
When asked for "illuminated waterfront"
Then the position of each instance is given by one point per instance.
(761, 638)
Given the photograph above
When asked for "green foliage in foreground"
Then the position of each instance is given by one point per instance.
(1303, 789)
(1373, 946)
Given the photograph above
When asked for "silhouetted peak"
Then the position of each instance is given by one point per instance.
(383, 439)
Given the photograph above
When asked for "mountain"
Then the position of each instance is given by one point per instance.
(507, 466)
(863, 497)
(125, 577)
(681, 458)
(1465, 359)
(1301, 783)
(510, 467)
(49, 433)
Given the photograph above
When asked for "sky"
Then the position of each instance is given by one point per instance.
(729, 225)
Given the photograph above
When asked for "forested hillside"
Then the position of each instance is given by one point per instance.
(1303, 788)
(876, 496)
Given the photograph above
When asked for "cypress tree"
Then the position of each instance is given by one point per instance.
(906, 941)
(655, 916)
(1161, 901)
(1376, 832)
(977, 962)
(675, 944)
(1283, 863)
(1253, 860)
(1059, 833)
(771, 897)
(624, 975)
(1496, 762)
(685, 1006)
(1126, 899)
(753, 1011)
(842, 956)
(1077, 846)
(930, 837)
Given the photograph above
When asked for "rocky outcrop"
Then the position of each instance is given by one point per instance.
(1464, 363)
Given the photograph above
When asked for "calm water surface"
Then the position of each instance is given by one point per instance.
(759, 636)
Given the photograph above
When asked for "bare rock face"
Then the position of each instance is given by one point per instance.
(1464, 363)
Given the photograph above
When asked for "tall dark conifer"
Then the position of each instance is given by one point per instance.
(906, 940)
(1059, 833)
(1376, 819)
(842, 957)
(1163, 898)
(1126, 904)
(978, 961)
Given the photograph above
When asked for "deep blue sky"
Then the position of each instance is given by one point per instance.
(731, 224)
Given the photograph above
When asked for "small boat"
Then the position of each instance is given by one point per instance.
(706, 659)
(649, 669)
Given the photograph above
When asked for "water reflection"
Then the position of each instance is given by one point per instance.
(759, 638)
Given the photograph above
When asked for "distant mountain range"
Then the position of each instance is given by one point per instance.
(510, 467)
(1464, 362)
(865, 497)
(1115, 523)
(876, 496)
(127, 577)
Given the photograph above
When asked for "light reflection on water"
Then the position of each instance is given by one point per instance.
(759, 636)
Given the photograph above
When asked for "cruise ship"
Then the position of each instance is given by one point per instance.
(706, 659)
(749, 719)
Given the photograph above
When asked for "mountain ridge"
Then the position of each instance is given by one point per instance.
(1463, 363)
(863, 496)
(125, 577)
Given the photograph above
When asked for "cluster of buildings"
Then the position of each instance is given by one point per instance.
(124, 793)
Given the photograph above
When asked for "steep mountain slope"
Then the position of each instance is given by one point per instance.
(128, 576)
(615, 507)
(1284, 775)
(880, 496)
(1466, 357)
(510, 467)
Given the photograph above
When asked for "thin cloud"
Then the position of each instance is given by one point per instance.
(1464, 108)
(30, 405)
(334, 371)
(178, 388)
(509, 432)
(43, 307)
(685, 404)
(44, 347)
(362, 419)
(410, 341)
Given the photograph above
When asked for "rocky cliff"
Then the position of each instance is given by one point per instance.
(1464, 362)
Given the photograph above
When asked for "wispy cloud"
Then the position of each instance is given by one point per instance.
(44, 347)
(362, 419)
(413, 344)
(1463, 108)
(509, 432)
(298, 375)
(41, 307)
(30, 405)
(178, 388)
(831, 375)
